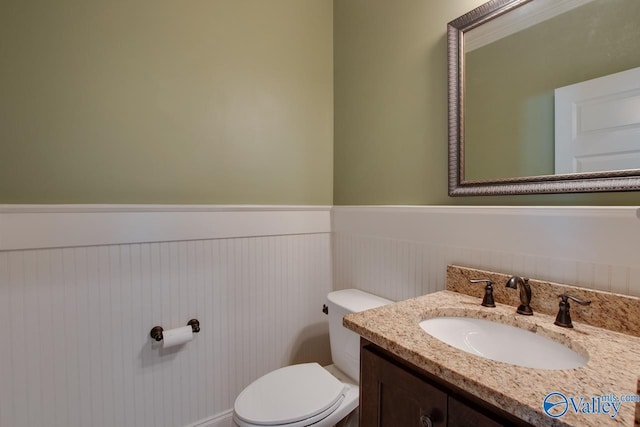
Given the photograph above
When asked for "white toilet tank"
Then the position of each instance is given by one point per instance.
(345, 344)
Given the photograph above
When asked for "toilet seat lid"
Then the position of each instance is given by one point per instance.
(288, 395)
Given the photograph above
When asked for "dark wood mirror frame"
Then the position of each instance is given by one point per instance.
(627, 180)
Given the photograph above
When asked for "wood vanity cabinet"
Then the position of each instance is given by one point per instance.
(394, 393)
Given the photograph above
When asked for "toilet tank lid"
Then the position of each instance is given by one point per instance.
(355, 300)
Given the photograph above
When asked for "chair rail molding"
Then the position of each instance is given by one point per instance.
(51, 226)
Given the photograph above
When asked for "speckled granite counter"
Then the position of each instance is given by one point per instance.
(613, 367)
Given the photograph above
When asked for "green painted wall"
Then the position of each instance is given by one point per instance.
(162, 101)
(230, 101)
(518, 75)
(390, 108)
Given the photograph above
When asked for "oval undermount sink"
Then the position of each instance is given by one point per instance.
(502, 343)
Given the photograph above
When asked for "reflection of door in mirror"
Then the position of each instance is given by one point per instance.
(598, 124)
(509, 82)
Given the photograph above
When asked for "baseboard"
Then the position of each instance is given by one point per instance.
(223, 419)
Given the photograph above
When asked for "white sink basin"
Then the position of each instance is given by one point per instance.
(502, 343)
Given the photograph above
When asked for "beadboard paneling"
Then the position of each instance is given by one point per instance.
(75, 320)
(75, 327)
(402, 252)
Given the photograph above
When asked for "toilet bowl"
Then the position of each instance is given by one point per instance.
(297, 396)
(309, 394)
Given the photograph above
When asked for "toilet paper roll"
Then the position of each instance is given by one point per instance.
(177, 336)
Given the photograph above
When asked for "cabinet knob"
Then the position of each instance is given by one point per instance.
(426, 421)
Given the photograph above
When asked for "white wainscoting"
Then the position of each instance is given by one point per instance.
(75, 320)
(402, 252)
(81, 286)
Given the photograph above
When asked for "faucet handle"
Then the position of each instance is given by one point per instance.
(487, 281)
(563, 318)
(488, 300)
(566, 297)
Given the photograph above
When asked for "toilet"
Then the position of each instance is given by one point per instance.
(309, 394)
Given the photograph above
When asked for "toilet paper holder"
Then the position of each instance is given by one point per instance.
(156, 331)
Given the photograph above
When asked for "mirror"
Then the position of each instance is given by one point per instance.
(519, 113)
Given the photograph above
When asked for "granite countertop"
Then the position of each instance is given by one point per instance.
(613, 366)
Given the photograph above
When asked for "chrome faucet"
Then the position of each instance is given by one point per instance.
(525, 294)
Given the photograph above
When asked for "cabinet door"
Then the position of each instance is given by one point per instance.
(391, 396)
(462, 415)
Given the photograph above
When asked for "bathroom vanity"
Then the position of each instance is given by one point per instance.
(409, 377)
(396, 393)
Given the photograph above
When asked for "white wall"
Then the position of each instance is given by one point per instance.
(74, 341)
(401, 252)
